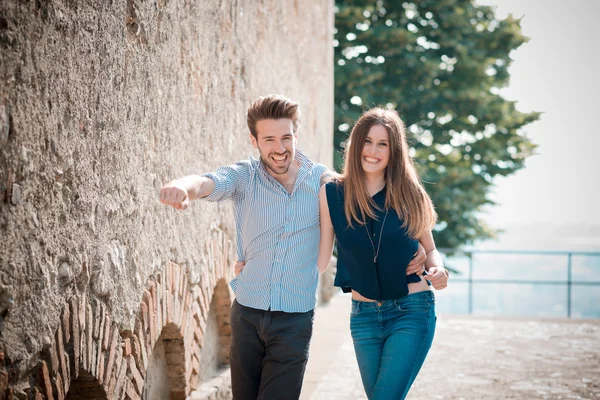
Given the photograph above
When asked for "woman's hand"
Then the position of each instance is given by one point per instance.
(438, 276)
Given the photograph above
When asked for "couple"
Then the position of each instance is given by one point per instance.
(287, 212)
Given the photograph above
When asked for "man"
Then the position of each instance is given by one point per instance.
(277, 225)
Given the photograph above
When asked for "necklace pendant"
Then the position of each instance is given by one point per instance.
(375, 259)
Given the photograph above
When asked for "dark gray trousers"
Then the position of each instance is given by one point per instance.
(269, 351)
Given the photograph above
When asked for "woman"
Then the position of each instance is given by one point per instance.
(379, 211)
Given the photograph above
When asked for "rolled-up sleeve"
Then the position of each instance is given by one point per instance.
(230, 181)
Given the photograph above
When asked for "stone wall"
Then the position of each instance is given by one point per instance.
(101, 102)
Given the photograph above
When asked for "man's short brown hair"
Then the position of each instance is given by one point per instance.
(273, 106)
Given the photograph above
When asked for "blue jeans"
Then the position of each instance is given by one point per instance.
(391, 341)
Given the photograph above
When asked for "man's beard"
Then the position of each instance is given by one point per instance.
(274, 168)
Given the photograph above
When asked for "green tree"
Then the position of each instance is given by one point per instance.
(440, 63)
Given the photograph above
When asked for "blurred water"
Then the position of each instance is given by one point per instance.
(548, 299)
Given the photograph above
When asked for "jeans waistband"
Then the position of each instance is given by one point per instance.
(425, 295)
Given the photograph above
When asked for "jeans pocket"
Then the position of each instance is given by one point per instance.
(413, 306)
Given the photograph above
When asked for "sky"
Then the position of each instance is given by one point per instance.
(556, 73)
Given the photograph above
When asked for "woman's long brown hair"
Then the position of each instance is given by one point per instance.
(405, 192)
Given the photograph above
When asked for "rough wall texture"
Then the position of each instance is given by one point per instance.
(100, 103)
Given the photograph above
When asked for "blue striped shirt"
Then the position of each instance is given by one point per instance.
(277, 233)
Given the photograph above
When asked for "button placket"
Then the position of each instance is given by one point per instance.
(281, 250)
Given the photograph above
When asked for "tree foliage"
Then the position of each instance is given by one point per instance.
(440, 64)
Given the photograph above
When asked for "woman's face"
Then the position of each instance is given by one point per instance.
(376, 151)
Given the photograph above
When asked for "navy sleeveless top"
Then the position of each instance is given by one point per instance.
(386, 278)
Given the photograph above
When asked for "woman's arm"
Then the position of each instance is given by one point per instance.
(436, 273)
(327, 235)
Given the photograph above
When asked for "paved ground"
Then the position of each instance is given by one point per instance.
(471, 358)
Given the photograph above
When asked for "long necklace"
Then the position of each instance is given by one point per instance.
(376, 253)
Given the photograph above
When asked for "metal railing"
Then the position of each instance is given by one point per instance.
(469, 253)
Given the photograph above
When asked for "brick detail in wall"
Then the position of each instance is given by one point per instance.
(90, 358)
